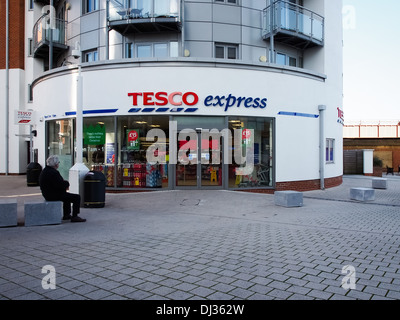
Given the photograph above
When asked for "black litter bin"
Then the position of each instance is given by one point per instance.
(33, 171)
(94, 190)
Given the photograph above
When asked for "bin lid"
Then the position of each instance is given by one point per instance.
(34, 165)
(95, 175)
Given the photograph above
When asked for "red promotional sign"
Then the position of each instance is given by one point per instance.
(246, 134)
(133, 135)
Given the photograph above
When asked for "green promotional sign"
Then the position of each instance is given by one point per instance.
(94, 135)
(133, 139)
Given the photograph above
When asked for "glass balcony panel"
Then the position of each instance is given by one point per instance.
(306, 24)
(295, 21)
(318, 29)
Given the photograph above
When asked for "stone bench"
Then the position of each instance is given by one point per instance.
(288, 199)
(362, 194)
(379, 183)
(8, 214)
(43, 213)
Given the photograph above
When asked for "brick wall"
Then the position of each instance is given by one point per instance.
(16, 35)
(306, 185)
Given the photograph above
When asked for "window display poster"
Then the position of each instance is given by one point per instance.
(110, 153)
(133, 139)
(94, 135)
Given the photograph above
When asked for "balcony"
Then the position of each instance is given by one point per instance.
(47, 2)
(293, 25)
(151, 16)
(45, 33)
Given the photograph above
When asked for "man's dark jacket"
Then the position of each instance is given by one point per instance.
(52, 184)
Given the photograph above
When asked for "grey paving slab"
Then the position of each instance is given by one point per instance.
(229, 245)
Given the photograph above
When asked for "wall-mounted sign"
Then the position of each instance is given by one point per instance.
(23, 117)
(191, 98)
(340, 116)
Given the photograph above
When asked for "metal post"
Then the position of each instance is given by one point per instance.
(7, 95)
(271, 39)
(79, 116)
(31, 143)
(107, 30)
(51, 36)
(321, 109)
(79, 170)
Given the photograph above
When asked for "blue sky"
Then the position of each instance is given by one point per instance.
(371, 66)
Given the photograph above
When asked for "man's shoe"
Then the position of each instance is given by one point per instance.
(77, 219)
(67, 217)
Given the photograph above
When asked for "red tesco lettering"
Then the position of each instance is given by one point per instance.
(163, 98)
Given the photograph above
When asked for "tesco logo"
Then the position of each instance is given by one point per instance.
(191, 98)
(163, 98)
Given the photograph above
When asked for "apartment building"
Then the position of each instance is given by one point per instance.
(216, 94)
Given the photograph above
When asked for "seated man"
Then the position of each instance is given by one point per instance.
(54, 188)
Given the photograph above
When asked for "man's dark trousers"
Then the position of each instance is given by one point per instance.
(69, 198)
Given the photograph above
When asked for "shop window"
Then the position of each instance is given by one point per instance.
(59, 142)
(99, 146)
(90, 6)
(256, 138)
(226, 51)
(134, 169)
(329, 154)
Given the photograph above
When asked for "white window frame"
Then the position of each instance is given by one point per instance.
(152, 45)
(287, 59)
(94, 5)
(228, 1)
(91, 55)
(226, 47)
(330, 145)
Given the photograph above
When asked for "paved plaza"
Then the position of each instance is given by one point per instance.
(213, 245)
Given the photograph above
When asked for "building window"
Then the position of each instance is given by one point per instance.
(330, 146)
(157, 50)
(30, 5)
(287, 60)
(144, 51)
(226, 51)
(90, 56)
(129, 50)
(227, 1)
(30, 47)
(90, 5)
(30, 93)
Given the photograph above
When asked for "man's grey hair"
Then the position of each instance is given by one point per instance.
(52, 161)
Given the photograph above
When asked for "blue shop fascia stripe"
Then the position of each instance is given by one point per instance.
(298, 114)
(135, 110)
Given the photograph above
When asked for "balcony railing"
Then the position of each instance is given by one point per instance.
(293, 24)
(47, 2)
(145, 16)
(46, 32)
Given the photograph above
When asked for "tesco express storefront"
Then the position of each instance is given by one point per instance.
(176, 124)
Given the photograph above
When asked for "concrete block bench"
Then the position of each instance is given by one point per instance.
(362, 194)
(288, 199)
(379, 183)
(8, 214)
(43, 213)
